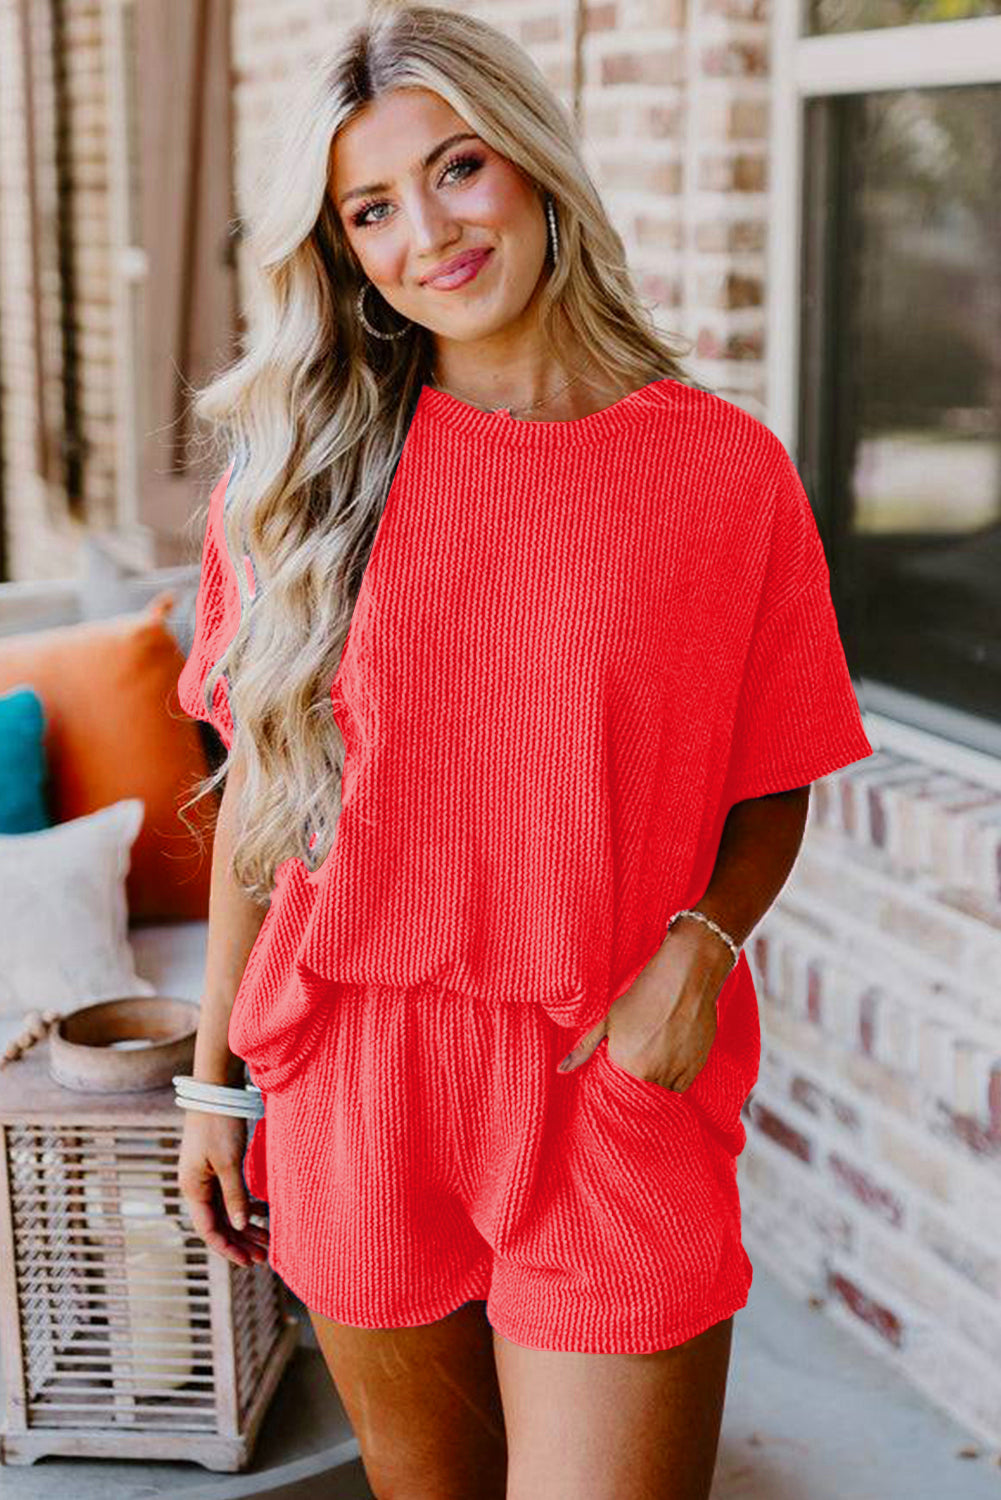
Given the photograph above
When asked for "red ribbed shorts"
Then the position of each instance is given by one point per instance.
(428, 1153)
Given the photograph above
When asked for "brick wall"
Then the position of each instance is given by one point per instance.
(871, 1178)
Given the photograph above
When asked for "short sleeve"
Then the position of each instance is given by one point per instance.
(797, 715)
(217, 616)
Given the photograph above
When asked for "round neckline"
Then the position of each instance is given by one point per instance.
(500, 426)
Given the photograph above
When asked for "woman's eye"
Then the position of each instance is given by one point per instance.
(464, 161)
(361, 220)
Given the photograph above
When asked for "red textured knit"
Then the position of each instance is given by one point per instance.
(576, 646)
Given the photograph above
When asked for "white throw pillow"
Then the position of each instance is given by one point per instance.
(64, 913)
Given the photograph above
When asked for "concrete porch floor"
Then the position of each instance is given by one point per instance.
(810, 1415)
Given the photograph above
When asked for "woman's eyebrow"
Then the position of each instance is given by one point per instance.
(427, 161)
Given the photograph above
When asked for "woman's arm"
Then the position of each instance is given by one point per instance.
(234, 923)
(209, 1171)
(665, 1023)
(757, 850)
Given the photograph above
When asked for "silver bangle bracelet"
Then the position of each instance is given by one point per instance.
(245, 1102)
(700, 916)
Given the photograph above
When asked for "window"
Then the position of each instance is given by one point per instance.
(896, 407)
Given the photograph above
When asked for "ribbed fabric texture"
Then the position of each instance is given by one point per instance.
(576, 645)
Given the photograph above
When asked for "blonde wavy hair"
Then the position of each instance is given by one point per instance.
(316, 410)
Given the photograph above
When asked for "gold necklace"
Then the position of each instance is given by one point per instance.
(511, 409)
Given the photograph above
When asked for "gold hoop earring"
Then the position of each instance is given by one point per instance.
(376, 332)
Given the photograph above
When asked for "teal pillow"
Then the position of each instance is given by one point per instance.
(23, 762)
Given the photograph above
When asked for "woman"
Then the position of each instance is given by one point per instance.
(565, 749)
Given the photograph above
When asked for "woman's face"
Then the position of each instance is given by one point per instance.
(422, 213)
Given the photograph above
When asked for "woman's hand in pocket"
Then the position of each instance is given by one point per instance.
(210, 1176)
(663, 1026)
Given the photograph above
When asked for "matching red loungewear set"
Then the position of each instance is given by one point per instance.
(575, 647)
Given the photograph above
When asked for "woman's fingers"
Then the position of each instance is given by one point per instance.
(197, 1189)
(580, 1053)
(211, 1181)
(234, 1194)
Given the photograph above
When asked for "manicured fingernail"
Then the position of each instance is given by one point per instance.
(240, 1219)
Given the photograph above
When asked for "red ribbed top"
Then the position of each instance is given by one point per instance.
(575, 646)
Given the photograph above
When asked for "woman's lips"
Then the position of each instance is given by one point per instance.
(464, 272)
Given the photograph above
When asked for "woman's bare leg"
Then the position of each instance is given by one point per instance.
(614, 1426)
(424, 1404)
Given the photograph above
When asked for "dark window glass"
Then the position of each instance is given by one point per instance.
(823, 17)
(900, 418)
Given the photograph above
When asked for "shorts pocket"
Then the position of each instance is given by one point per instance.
(628, 1083)
(721, 1088)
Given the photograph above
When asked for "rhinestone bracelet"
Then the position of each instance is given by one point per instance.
(700, 916)
(246, 1102)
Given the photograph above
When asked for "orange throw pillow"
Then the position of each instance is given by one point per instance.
(115, 729)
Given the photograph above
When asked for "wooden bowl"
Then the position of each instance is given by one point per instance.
(124, 1046)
